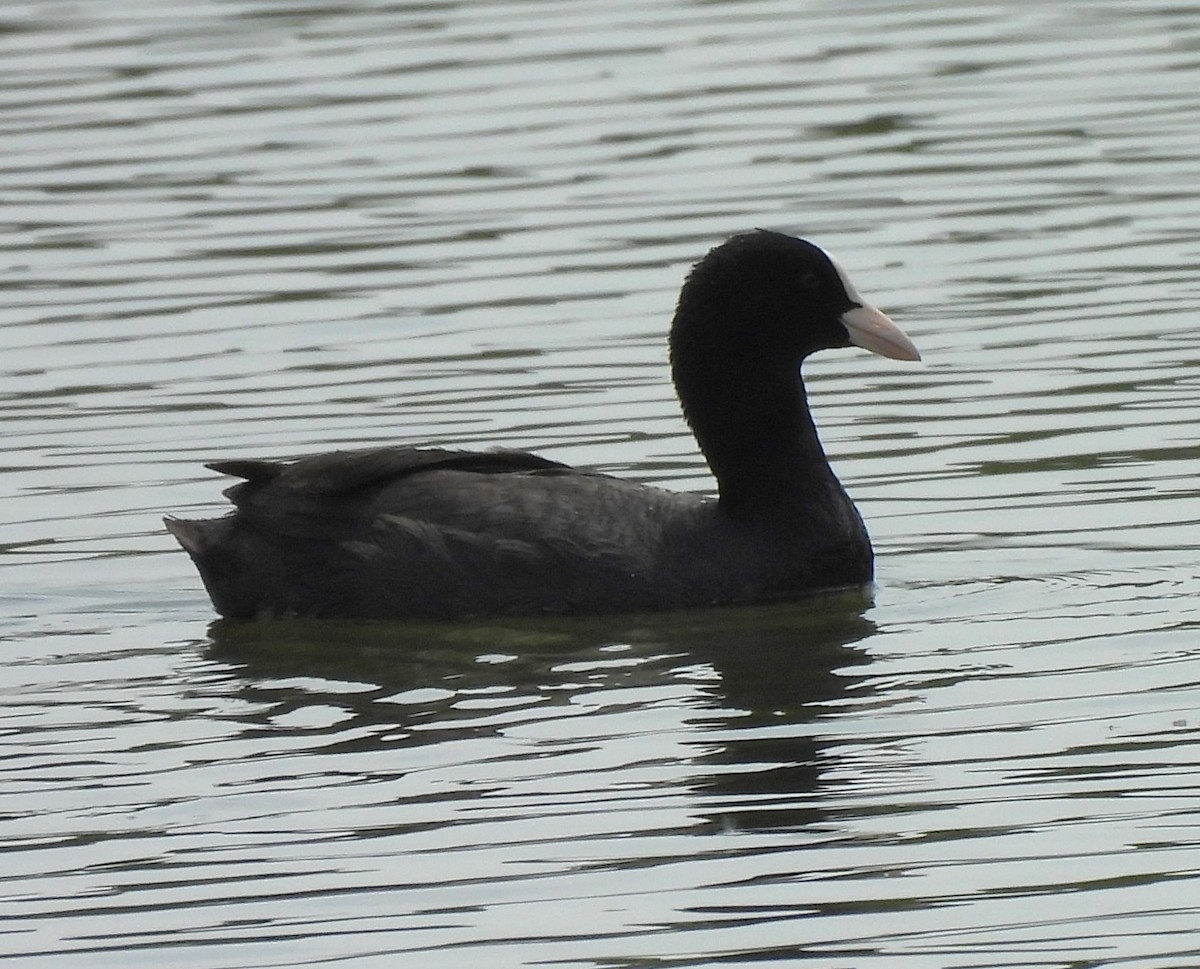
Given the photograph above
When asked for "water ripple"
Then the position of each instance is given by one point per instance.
(241, 228)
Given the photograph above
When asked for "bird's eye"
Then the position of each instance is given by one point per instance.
(810, 281)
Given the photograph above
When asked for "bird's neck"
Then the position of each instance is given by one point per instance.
(758, 436)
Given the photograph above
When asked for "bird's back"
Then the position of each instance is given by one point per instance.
(413, 533)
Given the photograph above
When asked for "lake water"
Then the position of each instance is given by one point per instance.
(242, 227)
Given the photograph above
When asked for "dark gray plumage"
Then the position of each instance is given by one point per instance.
(426, 533)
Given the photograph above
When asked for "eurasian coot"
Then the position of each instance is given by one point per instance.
(408, 533)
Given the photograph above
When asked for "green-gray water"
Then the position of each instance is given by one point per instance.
(266, 228)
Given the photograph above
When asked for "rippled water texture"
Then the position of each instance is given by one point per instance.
(243, 228)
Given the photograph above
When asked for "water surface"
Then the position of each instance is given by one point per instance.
(244, 228)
